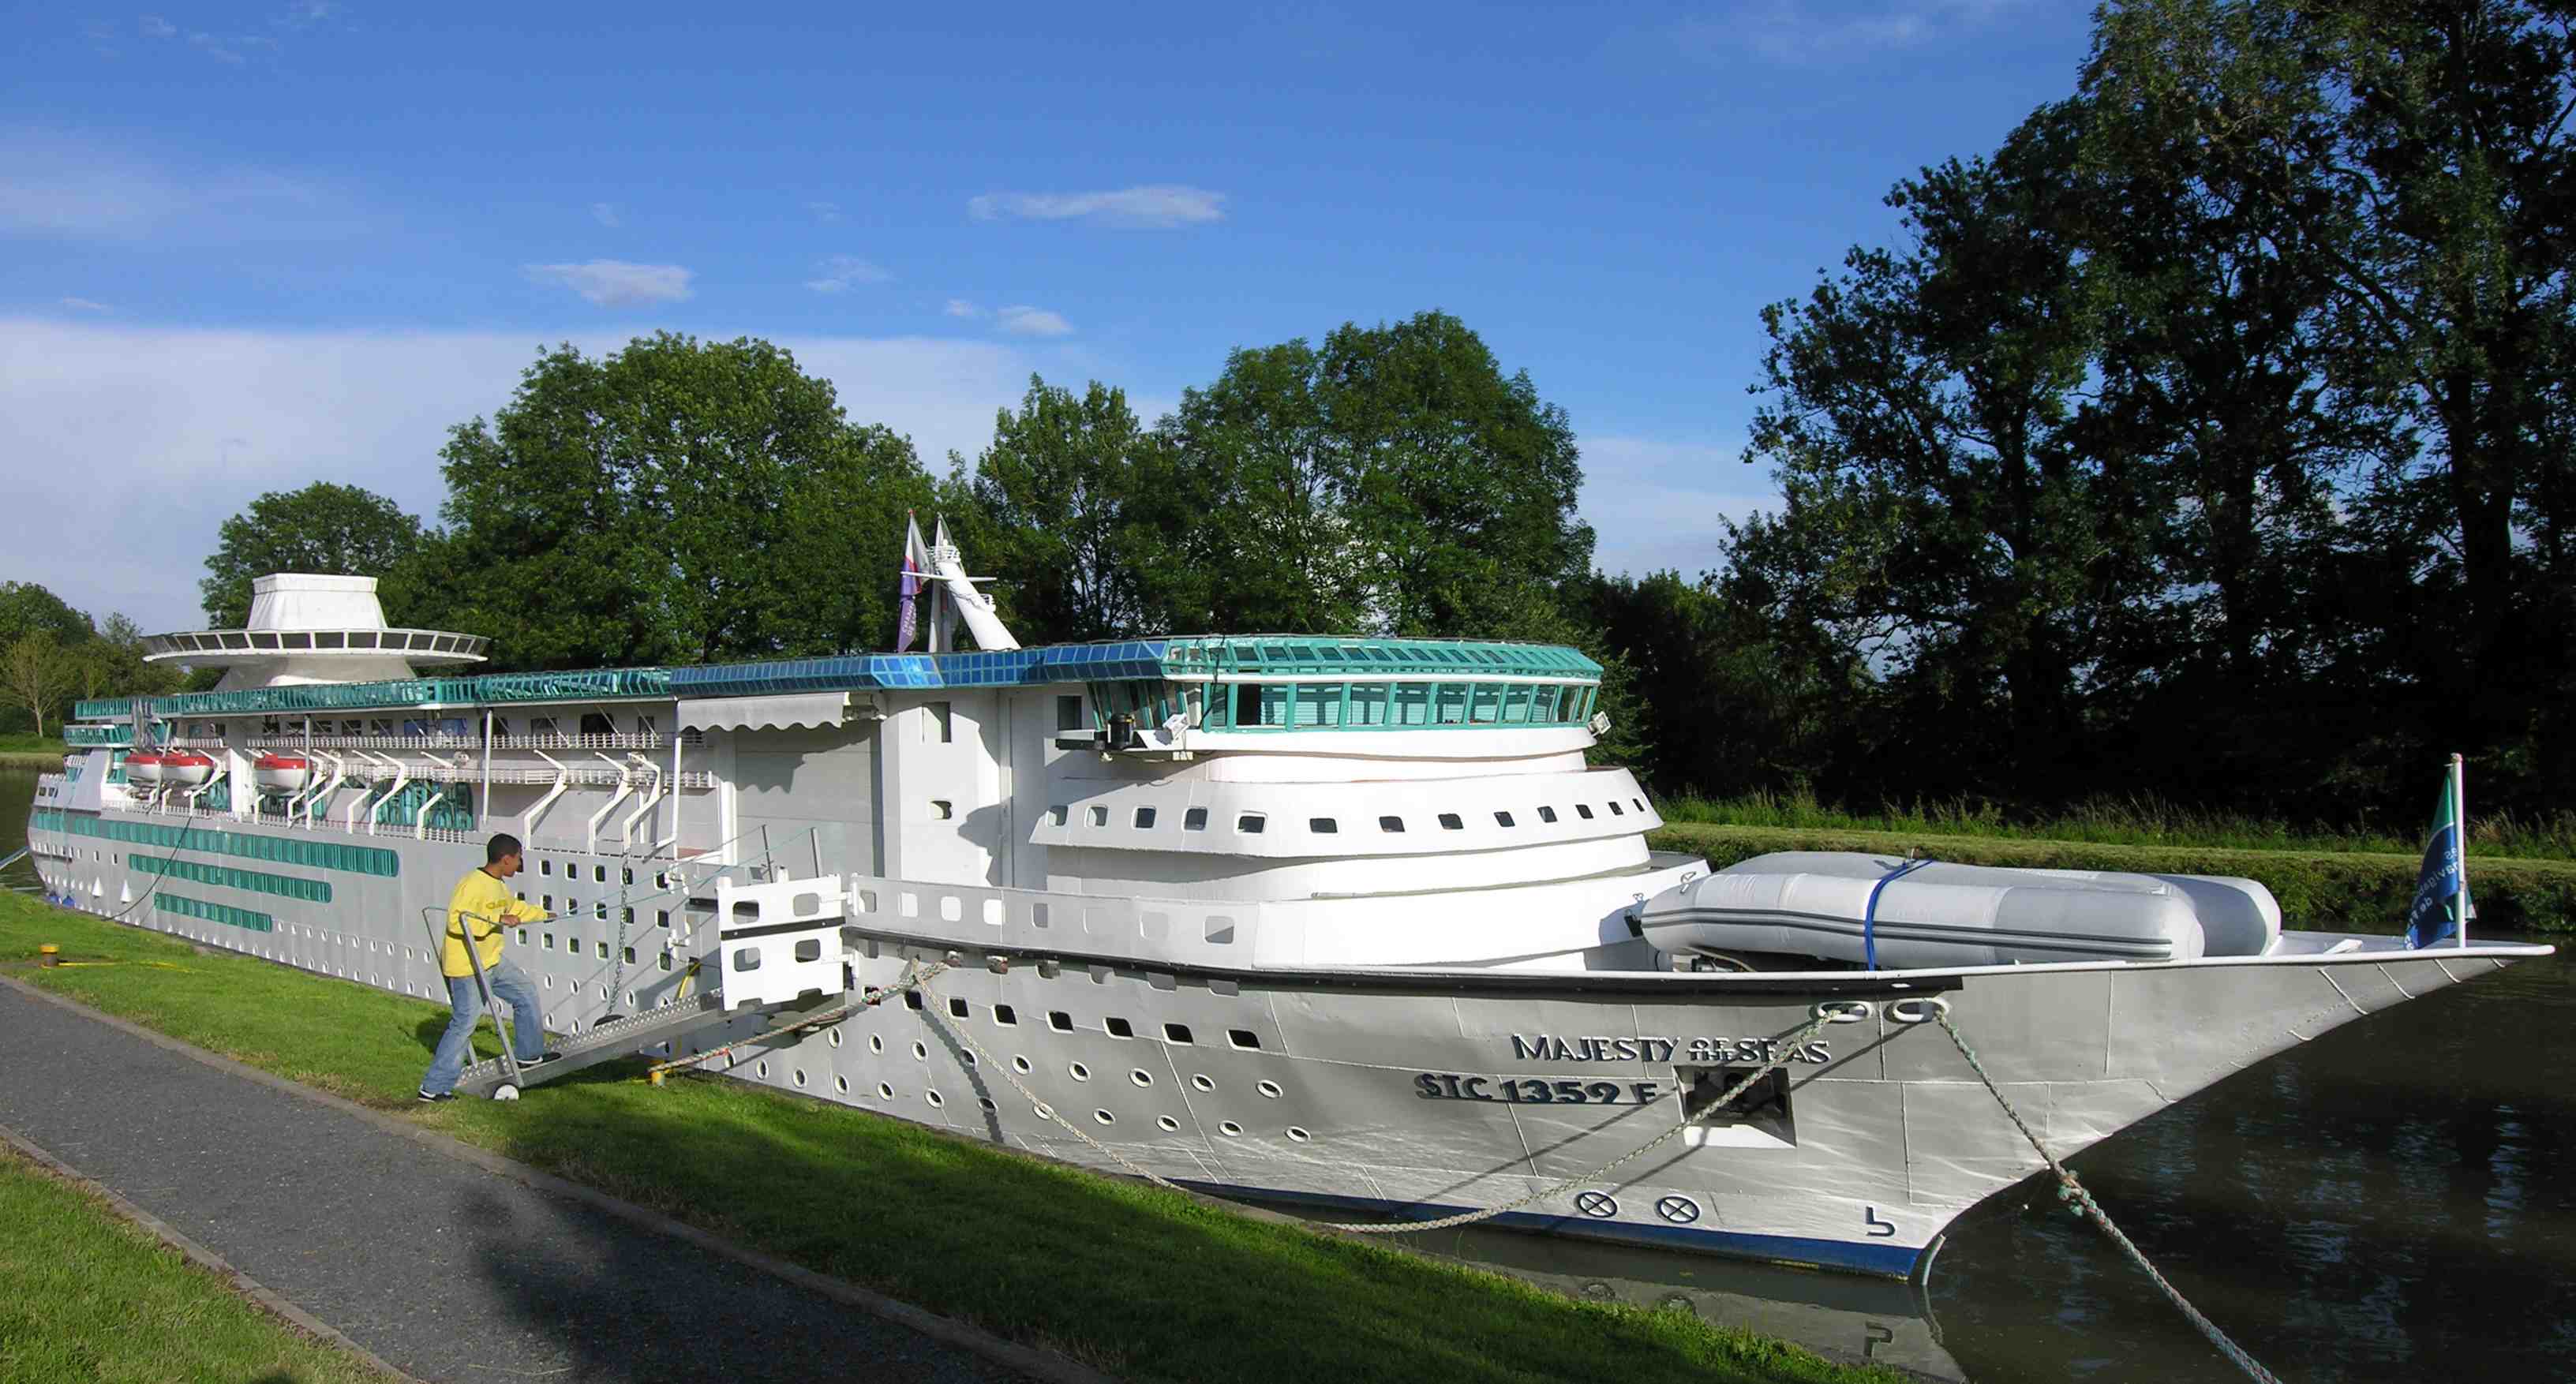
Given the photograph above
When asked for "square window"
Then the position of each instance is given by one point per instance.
(599, 874)
(1004, 1014)
(1502, 819)
(1395, 824)
(1119, 1028)
(603, 951)
(1099, 816)
(1640, 803)
(666, 961)
(545, 867)
(1251, 823)
(1176, 1033)
(1243, 1038)
(547, 903)
(938, 722)
(1068, 713)
(956, 1007)
(1060, 1021)
(1547, 814)
(1451, 821)
(1144, 818)
(1583, 810)
(572, 945)
(1194, 820)
(1059, 813)
(1322, 826)
(1615, 812)
(661, 917)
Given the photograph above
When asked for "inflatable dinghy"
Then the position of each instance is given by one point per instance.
(1933, 915)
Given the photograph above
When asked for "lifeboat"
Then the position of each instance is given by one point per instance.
(187, 768)
(281, 773)
(143, 768)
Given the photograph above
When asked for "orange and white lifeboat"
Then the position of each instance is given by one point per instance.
(281, 773)
(186, 768)
(143, 768)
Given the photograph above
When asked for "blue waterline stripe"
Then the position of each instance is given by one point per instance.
(1881, 1260)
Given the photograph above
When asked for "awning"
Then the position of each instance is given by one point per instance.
(764, 713)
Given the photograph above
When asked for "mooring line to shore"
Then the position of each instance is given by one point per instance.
(2073, 1191)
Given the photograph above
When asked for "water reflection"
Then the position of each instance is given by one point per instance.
(2396, 1200)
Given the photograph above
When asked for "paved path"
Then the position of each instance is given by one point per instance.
(445, 1270)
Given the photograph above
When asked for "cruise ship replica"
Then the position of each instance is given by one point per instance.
(1338, 921)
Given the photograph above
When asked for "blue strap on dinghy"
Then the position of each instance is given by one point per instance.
(1869, 915)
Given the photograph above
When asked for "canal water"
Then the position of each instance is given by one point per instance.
(2394, 1201)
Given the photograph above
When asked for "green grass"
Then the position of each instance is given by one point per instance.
(1136, 1281)
(2331, 890)
(26, 751)
(2137, 821)
(86, 1296)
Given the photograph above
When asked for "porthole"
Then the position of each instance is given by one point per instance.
(876, 1043)
(1269, 1088)
(1231, 1129)
(835, 1039)
(1080, 1072)
(1167, 1122)
(1141, 1077)
(841, 1084)
(1045, 1111)
(920, 1053)
(1104, 1117)
(799, 1074)
(1200, 1081)
(763, 1068)
(1020, 1065)
(884, 1092)
(934, 1098)
(967, 1056)
(987, 1103)
(1299, 1135)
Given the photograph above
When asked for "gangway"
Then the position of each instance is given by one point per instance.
(779, 954)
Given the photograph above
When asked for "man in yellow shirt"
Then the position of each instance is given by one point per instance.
(481, 908)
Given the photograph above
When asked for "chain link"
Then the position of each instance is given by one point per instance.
(2071, 1190)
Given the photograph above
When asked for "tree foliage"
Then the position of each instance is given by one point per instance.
(676, 502)
(339, 530)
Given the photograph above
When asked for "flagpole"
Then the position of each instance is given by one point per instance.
(2460, 824)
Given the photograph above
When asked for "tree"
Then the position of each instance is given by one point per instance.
(675, 502)
(36, 673)
(339, 530)
(1058, 496)
(1396, 479)
(26, 608)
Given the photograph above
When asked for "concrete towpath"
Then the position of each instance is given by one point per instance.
(444, 1269)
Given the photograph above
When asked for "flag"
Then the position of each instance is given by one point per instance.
(2442, 885)
(915, 563)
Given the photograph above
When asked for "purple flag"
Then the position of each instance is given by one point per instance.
(909, 621)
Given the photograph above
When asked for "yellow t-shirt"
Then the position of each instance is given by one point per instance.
(492, 904)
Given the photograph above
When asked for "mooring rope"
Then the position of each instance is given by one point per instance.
(2071, 1190)
(868, 1000)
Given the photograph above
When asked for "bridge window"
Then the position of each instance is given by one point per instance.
(1100, 816)
(1144, 818)
(1583, 810)
(1394, 824)
(1547, 814)
(1451, 821)
(1058, 813)
(1502, 819)
(1195, 819)
(1322, 826)
(1251, 823)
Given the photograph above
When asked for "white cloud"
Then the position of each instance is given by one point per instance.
(154, 26)
(305, 13)
(959, 307)
(825, 211)
(615, 283)
(213, 47)
(84, 305)
(1159, 206)
(1023, 320)
(64, 186)
(206, 420)
(1788, 31)
(840, 271)
(1654, 503)
(605, 213)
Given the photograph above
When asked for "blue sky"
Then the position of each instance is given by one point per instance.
(245, 246)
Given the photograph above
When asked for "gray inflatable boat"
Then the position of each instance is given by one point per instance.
(1933, 914)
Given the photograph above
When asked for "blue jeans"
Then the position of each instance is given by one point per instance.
(527, 1023)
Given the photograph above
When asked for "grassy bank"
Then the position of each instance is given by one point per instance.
(86, 1296)
(2130, 822)
(1136, 1281)
(2362, 891)
(26, 751)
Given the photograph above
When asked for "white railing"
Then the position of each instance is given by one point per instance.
(364, 742)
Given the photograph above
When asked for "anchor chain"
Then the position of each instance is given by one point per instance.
(1785, 1047)
(2071, 1190)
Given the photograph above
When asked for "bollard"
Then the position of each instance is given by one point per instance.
(48, 955)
